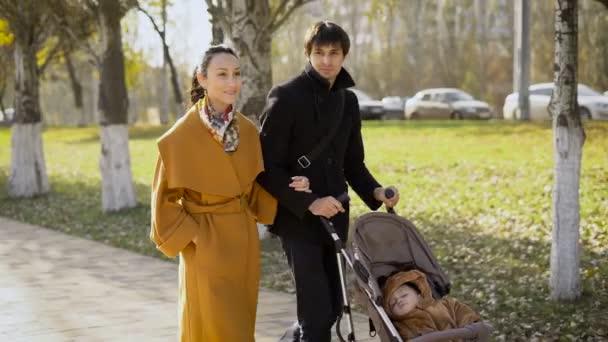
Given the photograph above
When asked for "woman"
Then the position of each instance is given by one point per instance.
(205, 205)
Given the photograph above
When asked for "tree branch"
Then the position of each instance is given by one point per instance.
(174, 78)
(156, 28)
(82, 42)
(9, 11)
(281, 21)
(603, 2)
(280, 9)
(49, 58)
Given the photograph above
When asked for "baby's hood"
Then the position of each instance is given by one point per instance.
(414, 276)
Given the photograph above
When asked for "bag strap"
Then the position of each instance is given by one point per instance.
(306, 160)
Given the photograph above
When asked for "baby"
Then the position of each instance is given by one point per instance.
(409, 302)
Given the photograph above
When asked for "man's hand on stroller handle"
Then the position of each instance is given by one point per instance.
(326, 206)
(389, 195)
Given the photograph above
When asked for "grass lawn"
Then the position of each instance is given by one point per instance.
(480, 192)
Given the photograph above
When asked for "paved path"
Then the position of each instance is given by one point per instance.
(56, 287)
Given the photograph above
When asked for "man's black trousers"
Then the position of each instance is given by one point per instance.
(319, 297)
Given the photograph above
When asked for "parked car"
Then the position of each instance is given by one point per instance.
(393, 107)
(592, 104)
(446, 103)
(7, 116)
(370, 108)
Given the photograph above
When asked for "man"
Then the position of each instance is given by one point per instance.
(298, 115)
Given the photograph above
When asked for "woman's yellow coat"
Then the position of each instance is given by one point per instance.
(199, 188)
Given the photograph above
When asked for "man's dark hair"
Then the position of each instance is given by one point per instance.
(326, 33)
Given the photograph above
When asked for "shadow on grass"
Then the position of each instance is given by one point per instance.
(504, 279)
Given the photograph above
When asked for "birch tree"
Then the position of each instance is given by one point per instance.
(115, 162)
(248, 26)
(28, 176)
(568, 140)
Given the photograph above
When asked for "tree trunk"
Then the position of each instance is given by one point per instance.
(568, 139)
(115, 166)
(164, 89)
(93, 115)
(248, 26)
(167, 62)
(76, 90)
(164, 95)
(117, 185)
(481, 31)
(253, 44)
(28, 170)
(217, 33)
(413, 55)
(446, 52)
(2, 108)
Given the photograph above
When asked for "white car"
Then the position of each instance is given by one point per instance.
(592, 104)
(446, 103)
(7, 116)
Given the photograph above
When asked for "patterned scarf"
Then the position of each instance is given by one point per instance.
(222, 126)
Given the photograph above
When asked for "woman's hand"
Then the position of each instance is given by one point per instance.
(300, 183)
(380, 195)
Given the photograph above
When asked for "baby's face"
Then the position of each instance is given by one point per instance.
(403, 300)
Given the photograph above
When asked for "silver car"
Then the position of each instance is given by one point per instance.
(370, 109)
(446, 103)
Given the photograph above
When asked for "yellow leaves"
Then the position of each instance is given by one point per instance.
(6, 37)
(45, 53)
(134, 65)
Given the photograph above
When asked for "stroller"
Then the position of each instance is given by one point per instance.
(383, 244)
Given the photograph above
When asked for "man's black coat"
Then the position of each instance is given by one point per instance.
(298, 114)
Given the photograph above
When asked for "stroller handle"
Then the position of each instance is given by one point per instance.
(329, 226)
(389, 193)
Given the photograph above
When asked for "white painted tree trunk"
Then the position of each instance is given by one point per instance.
(115, 166)
(568, 139)
(28, 171)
